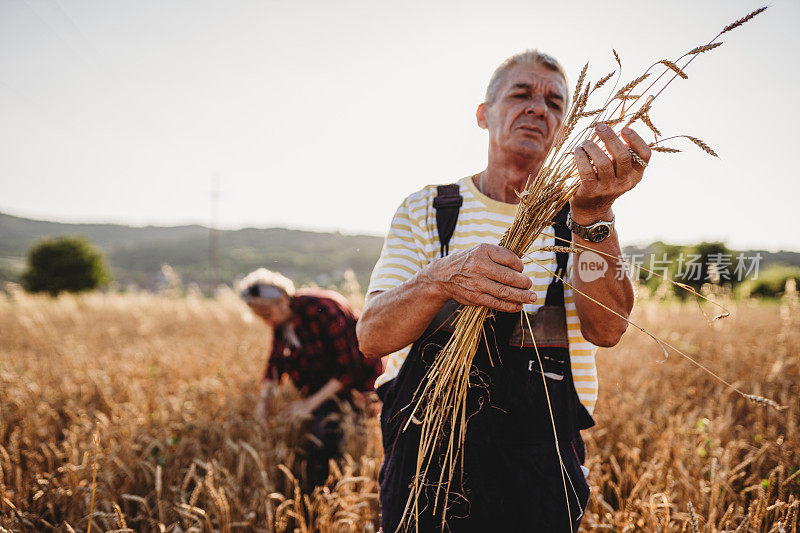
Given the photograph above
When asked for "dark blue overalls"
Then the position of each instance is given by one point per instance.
(511, 478)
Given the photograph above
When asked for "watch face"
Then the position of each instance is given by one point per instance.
(599, 233)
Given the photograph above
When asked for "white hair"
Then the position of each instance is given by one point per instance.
(258, 282)
(528, 56)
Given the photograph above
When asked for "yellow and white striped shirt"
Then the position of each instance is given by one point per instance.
(413, 242)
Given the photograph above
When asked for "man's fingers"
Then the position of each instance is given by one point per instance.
(508, 268)
(476, 293)
(585, 168)
(491, 302)
(604, 166)
(636, 143)
(508, 293)
(507, 276)
(504, 256)
(617, 149)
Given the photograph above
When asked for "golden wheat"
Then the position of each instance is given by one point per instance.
(173, 384)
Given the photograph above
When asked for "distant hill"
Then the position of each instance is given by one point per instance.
(135, 254)
(768, 259)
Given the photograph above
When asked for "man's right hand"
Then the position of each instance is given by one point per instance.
(486, 274)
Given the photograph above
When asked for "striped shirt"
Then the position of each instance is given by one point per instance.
(413, 242)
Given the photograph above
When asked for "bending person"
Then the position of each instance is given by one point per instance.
(314, 345)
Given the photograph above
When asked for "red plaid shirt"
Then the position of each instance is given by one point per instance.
(325, 324)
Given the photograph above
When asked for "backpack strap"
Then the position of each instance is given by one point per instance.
(563, 237)
(447, 203)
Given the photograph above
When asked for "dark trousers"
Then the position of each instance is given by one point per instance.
(324, 444)
(511, 475)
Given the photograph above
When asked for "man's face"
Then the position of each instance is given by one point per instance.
(273, 312)
(527, 111)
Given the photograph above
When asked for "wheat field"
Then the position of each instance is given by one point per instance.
(136, 410)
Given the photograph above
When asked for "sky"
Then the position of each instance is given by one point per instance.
(325, 115)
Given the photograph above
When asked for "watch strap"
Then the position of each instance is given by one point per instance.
(590, 232)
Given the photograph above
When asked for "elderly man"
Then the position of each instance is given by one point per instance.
(314, 345)
(432, 262)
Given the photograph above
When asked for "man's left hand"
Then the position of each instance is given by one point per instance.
(614, 176)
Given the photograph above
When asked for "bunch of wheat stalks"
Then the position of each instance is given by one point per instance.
(440, 407)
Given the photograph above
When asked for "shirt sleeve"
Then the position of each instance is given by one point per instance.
(403, 252)
(341, 340)
(276, 362)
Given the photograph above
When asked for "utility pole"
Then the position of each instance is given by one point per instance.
(213, 235)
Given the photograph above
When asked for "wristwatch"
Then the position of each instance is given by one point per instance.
(597, 232)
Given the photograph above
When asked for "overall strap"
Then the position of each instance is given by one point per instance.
(563, 237)
(447, 203)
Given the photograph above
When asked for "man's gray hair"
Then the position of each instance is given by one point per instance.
(263, 283)
(528, 56)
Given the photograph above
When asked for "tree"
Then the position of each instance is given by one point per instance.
(771, 283)
(696, 265)
(67, 263)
